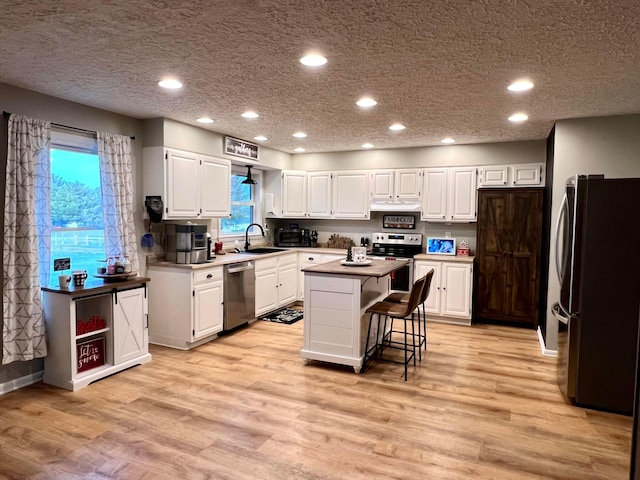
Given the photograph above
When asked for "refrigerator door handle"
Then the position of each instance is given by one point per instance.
(561, 263)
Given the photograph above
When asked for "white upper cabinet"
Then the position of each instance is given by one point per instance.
(294, 194)
(216, 187)
(382, 185)
(182, 182)
(516, 175)
(528, 174)
(351, 194)
(327, 194)
(319, 194)
(449, 195)
(434, 198)
(408, 184)
(462, 194)
(493, 176)
(191, 185)
(396, 185)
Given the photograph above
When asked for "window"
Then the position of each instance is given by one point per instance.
(76, 201)
(244, 208)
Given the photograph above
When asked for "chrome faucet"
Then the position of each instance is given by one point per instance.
(246, 235)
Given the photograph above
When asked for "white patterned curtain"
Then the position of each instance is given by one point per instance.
(116, 177)
(27, 225)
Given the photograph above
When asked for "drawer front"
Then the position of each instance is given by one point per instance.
(332, 284)
(310, 258)
(288, 259)
(207, 275)
(266, 264)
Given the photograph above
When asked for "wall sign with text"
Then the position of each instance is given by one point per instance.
(399, 221)
(240, 148)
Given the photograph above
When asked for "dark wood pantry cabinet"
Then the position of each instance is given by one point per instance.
(508, 255)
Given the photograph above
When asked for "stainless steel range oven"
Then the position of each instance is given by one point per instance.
(398, 246)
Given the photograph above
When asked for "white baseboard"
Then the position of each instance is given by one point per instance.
(21, 382)
(545, 351)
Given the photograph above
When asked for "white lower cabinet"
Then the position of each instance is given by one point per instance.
(186, 307)
(451, 289)
(94, 332)
(276, 282)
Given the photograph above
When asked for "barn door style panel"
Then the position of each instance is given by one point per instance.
(508, 255)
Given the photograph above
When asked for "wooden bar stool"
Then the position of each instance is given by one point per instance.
(395, 311)
(399, 297)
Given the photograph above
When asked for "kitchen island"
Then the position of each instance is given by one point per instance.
(336, 298)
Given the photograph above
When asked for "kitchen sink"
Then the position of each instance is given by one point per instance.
(263, 250)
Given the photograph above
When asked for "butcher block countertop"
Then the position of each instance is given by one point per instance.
(378, 268)
(94, 286)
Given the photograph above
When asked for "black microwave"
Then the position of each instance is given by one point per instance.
(292, 237)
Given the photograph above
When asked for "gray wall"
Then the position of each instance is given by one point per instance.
(199, 140)
(441, 156)
(608, 145)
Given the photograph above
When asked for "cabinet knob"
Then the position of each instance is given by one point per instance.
(310, 258)
(210, 275)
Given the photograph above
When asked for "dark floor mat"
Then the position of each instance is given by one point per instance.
(284, 315)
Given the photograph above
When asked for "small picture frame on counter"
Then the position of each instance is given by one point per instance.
(441, 246)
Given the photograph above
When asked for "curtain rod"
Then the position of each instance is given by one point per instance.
(6, 114)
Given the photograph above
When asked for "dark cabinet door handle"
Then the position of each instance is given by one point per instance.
(210, 275)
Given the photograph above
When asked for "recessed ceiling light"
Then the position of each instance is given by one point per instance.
(366, 102)
(447, 140)
(367, 145)
(299, 150)
(520, 86)
(299, 134)
(170, 83)
(519, 117)
(250, 114)
(260, 138)
(204, 120)
(313, 60)
(397, 127)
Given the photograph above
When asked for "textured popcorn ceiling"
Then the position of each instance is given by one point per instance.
(439, 67)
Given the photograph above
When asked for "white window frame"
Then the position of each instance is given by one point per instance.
(258, 214)
(74, 141)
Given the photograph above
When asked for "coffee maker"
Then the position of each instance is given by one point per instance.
(186, 243)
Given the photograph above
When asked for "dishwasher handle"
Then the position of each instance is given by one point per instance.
(240, 267)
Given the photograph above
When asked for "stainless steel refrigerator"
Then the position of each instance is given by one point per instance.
(598, 264)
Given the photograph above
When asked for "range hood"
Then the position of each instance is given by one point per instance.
(395, 206)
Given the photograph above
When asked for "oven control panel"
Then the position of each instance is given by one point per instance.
(398, 238)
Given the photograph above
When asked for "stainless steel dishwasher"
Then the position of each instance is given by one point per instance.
(239, 294)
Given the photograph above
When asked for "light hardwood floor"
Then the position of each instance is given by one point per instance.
(483, 404)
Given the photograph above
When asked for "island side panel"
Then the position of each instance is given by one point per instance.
(335, 325)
